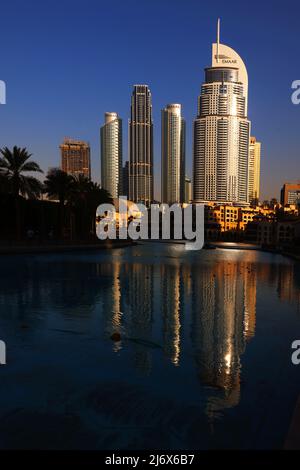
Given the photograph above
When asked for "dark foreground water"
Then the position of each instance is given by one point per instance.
(204, 359)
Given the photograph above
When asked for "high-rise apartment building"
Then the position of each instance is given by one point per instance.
(172, 155)
(141, 146)
(76, 157)
(254, 170)
(125, 186)
(222, 130)
(111, 154)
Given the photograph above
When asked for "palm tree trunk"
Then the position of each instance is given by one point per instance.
(62, 218)
(15, 187)
(18, 218)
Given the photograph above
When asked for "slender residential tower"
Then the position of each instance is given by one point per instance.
(141, 146)
(125, 180)
(222, 130)
(254, 170)
(172, 155)
(111, 154)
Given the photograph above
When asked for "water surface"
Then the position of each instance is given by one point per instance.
(204, 359)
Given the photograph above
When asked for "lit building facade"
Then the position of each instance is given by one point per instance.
(111, 154)
(227, 217)
(188, 190)
(172, 155)
(141, 146)
(290, 194)
(222, 131)
(254, 170)
(125, 179)
(76, 157)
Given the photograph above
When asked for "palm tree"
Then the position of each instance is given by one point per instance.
(95, 197)
(58, 185)
(13, 164)
(85, 197)
(5, 186)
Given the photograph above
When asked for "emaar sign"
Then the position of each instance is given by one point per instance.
(2, 92)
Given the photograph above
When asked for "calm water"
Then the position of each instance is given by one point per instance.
(204, 359)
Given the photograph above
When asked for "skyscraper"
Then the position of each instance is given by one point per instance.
(111, 154)
(254, 169)
(141, 146)
(172, 154)
(188, 190)
(222, 130)
(125, 179)
(76, 157)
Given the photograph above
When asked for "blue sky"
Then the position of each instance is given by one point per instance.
(67, 62)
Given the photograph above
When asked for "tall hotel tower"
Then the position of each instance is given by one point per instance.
(141, 146)
(172, 155)
(222, 130)
(76, 157)
(254, 170)
(111, 154)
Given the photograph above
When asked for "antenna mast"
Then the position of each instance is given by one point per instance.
(218, 38)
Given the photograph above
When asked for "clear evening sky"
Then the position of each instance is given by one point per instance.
(67, 62)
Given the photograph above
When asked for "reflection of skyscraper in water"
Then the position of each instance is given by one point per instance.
(250, 285)
(202, 327)
(286, 284)
(229, 325)
(186, 279)
(284, 277)
(222, 318)
(171, 302)
(112, 302)
(138, 299)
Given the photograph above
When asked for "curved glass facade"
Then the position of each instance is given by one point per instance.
(111, 154)
(219, 74)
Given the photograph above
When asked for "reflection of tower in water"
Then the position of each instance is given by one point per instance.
(286, 284)
(112, 302)
(171, 299)
(223, 317)
(138, 305)
(250, 286)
